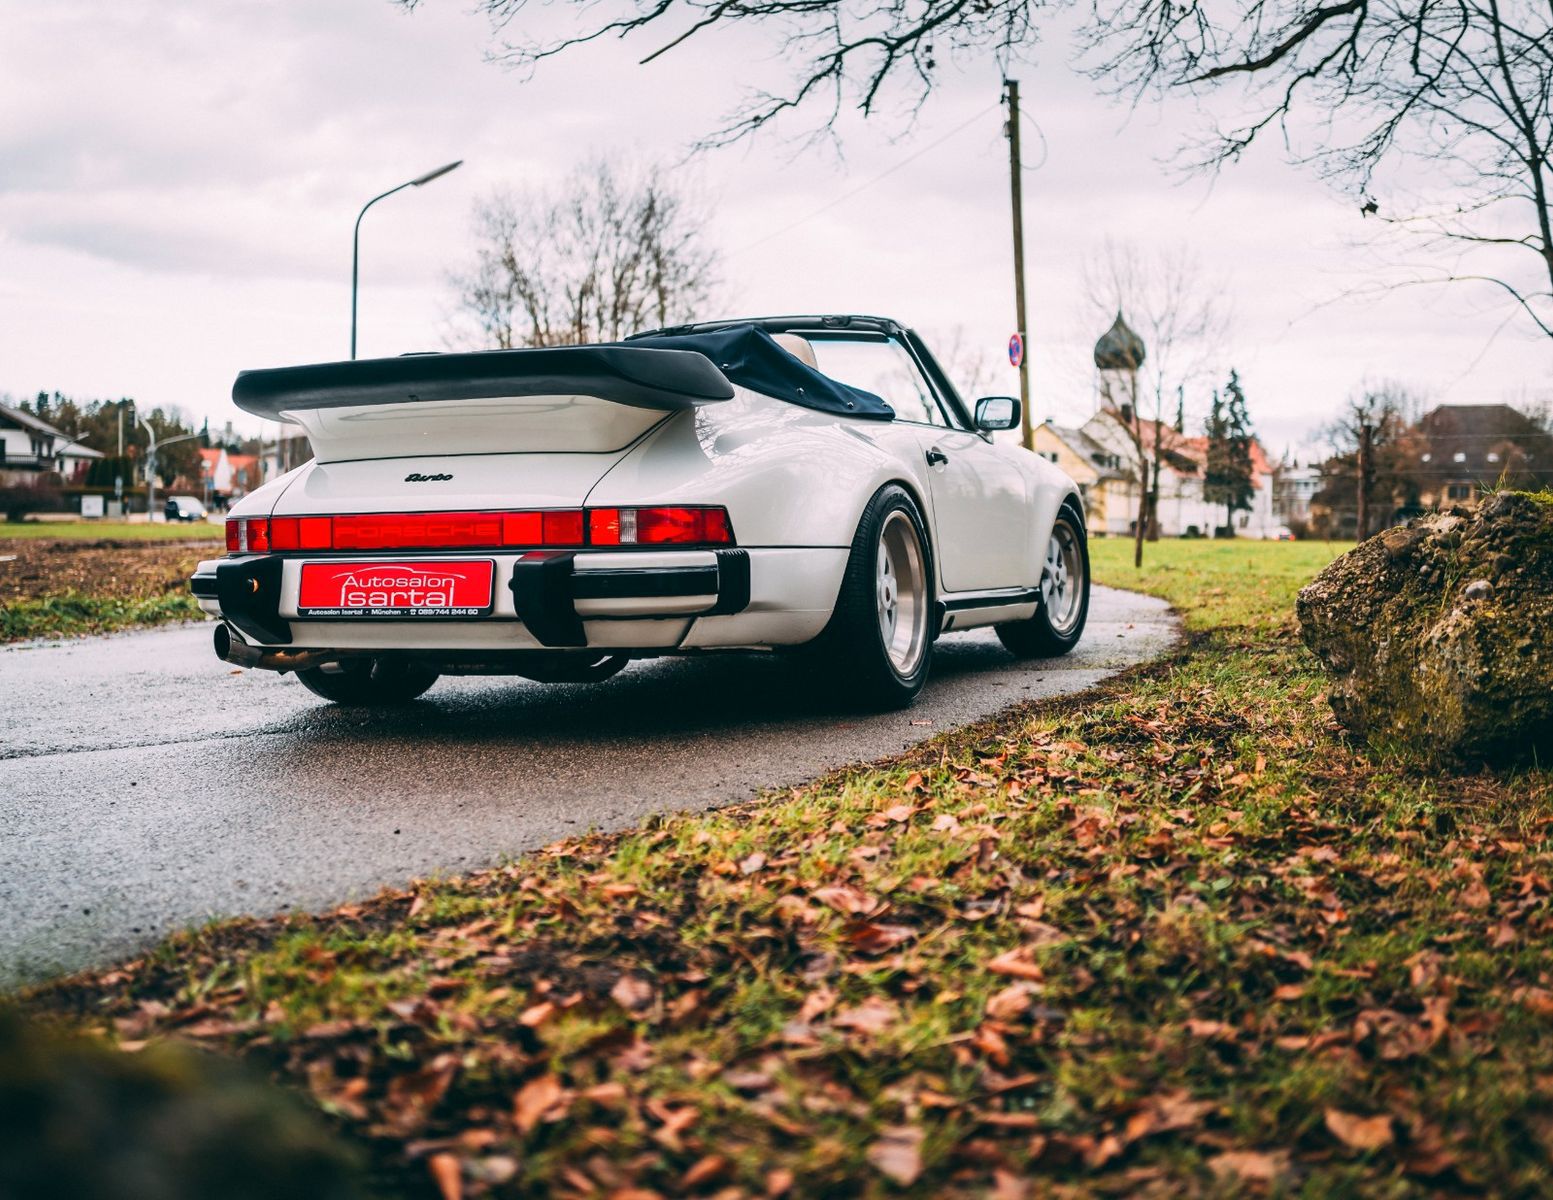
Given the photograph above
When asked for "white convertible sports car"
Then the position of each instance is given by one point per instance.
(812, 484)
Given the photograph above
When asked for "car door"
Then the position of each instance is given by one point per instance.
(978, 499)
(981, 510)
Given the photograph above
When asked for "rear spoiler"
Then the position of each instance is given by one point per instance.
(639, 377)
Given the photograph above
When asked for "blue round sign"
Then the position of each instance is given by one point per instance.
(1016, 350)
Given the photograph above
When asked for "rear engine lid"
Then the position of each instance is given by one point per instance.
(457, 482)
(499, 425)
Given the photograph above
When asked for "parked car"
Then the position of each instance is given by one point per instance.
(804, 484)
(183, 508)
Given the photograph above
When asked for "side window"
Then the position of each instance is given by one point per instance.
(884, 368)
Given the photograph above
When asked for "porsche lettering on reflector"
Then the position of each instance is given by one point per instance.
(397, 589)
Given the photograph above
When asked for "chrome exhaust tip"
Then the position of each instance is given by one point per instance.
(231, 648)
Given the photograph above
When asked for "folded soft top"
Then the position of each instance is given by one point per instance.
(663, 372)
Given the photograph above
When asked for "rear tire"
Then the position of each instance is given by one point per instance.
(369, 681)
(1058, 622)
(878, 646)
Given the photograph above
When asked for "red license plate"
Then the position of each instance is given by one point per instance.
(397, 589)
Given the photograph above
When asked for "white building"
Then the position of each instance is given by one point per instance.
(30, 447)
(1182, 510)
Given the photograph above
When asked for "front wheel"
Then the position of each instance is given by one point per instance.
(878, 645)
(368, 681)
(1059, 620)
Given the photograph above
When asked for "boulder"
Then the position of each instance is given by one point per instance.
(1439, 633)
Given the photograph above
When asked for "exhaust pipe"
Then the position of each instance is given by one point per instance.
(231, 648)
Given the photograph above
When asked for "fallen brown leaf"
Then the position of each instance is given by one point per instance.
(631, 992)
(873, 1015)
(1251, 1166)
(1016, 962)
(534, 1099)
(447, 1174)
(897, 1155)
(1359, 1133)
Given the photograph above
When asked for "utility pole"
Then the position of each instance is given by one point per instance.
(1011, 97)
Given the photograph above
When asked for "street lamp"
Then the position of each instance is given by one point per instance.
(356, 237)
(153, 445)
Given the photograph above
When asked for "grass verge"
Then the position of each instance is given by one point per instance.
(1175, 937)
(64, 614)
(119, 531)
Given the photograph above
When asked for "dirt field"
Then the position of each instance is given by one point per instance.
(123, 570)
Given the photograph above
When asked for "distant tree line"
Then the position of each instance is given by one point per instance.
(96, 424)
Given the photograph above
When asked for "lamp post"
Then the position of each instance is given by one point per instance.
(153, 445)
(356, 236)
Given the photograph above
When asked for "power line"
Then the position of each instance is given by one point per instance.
(863, 187)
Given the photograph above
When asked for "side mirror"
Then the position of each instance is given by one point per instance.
(996, 412)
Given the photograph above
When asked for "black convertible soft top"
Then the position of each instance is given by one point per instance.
(749, 356)
(663, 371)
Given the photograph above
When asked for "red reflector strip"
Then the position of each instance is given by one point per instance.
(418, 531)
(482, 530)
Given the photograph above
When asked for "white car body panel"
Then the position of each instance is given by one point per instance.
(795, 482)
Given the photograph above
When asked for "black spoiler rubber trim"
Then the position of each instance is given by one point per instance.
(635, 376)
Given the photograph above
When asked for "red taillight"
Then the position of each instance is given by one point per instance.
(659, 527)
(482, 530)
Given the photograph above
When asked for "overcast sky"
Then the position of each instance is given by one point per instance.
(178, 183)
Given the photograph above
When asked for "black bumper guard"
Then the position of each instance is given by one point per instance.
(248, 591)
(546, 587)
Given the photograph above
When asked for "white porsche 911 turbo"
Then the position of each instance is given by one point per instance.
(805, 483)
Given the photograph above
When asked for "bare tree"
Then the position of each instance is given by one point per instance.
(1183, 319)
(609, 255)
(1374, 446)
(1451, 94)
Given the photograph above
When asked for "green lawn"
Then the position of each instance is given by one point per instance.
(1237, 582)
(102, 531)
(1174, 937)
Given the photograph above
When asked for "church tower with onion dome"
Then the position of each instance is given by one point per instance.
(1118, 355)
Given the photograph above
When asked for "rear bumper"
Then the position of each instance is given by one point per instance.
(550, 595)
(647, 600)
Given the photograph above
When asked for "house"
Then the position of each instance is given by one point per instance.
(215, 473)
(1294, 487)
(225, 476)
(1129, 447)
(1466, 449)
(285, 453)
(31, 448)
(1102, 483)
(1182, 510)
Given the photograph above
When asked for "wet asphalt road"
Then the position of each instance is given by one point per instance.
(145, 786)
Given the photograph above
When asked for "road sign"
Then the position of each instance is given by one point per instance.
(1016, 350)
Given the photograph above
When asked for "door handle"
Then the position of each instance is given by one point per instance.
(936, 457)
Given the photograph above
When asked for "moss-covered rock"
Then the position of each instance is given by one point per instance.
(1439, 633)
